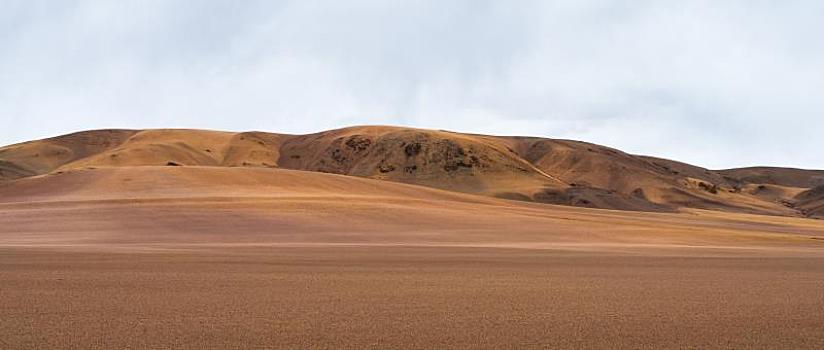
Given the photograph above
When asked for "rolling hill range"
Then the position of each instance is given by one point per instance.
(395, 238)
(521, 168)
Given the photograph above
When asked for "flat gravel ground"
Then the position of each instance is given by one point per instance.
(405, 297)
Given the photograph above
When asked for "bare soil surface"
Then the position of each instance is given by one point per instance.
(212, 257)
(405, 297)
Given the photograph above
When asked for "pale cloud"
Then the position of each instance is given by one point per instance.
(718, 84)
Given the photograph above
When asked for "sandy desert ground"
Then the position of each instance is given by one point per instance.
(197, 257)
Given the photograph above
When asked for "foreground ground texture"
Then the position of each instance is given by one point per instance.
(198, 257)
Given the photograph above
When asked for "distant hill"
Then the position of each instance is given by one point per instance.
(520, 168)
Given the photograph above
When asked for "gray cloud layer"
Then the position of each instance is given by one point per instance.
(715, 83)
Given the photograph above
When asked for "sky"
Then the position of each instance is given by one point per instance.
(718, 84)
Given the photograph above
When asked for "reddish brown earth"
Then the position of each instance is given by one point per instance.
(120, 252)
(406, 297)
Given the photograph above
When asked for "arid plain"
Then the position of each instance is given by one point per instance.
(355, 239)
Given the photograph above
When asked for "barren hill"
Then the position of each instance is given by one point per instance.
(523, 168)
(141, 239)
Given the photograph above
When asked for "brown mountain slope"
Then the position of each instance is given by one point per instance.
(800, 189)
(524, 168)
(188, 147)
(787, 177)
(811, 202)
(666, 183)
(426, 157)
(44, 156)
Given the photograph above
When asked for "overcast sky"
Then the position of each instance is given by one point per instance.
(714, 83)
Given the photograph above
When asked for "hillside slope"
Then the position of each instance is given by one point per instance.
(788, 177)
(206, 204)
(811, 202)
(523, 168)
